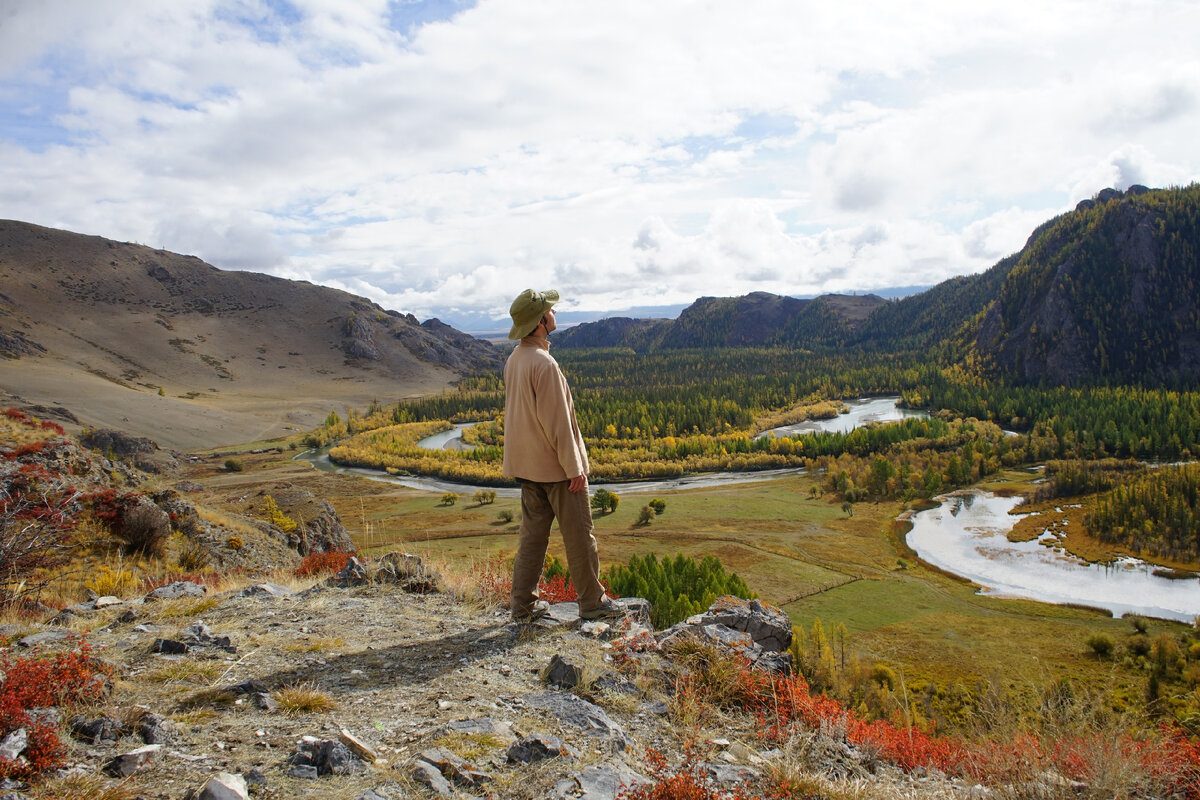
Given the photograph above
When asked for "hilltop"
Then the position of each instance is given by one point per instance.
(167, 346)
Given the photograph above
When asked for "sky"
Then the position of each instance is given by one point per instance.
(439, 156)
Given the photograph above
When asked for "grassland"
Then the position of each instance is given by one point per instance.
(800, 552)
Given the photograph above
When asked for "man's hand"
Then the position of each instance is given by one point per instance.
(578, 484)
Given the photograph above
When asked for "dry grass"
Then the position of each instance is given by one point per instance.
(83, 787)
(304, 698)
(215, 517)
(186, 671)
(182, 608)
(470, 746)
(316, 644)
(15, 433)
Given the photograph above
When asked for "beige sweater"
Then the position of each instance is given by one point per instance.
(542, 441)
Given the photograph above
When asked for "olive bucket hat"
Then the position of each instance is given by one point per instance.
(527, 310)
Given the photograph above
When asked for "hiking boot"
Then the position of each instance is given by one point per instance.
(539, 609)
(609, 609)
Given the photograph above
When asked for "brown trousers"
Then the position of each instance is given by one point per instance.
(541, 504)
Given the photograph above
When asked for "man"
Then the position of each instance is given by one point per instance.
(544, 451)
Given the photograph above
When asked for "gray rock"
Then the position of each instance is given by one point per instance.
(153, 730)
(538, 746)
(265, 701)
(126, 764)
(454, 768)
(578, 712)
(14, 744)
(248, 686)
(177, 589)
(306, 771)
(729, 774)
(353, 574)
(327, 757)
(169, 647)
(431, 777)
(599, 782)
(479, 726)
(102, 730)
(563, 673)
(255, 778)
(370, 794)
(408, 572)
(44, 638)
(760, 632)
(224, 786)
(266, 590)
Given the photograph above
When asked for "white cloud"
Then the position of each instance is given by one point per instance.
(597, 145)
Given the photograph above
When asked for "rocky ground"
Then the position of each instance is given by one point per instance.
(427, 695)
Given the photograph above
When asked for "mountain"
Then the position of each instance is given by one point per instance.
(1108, 291)
(165, 345)
(756, 319)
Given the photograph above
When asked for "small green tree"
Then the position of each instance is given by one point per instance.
(234, 465)
(605, 501)
(659, 505)
(645, 515)
(505, 516)
(449, 499)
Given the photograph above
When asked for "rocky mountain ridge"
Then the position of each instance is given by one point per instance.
(754, 320)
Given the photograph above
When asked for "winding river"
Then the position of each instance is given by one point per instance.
(966, 534)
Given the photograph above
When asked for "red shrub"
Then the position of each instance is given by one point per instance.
(685, 782)
(557, 590)
(41, 683)
(326, 563)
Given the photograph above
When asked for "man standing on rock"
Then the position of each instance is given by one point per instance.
(544, 451)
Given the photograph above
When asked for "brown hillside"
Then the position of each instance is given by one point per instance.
(103, 326)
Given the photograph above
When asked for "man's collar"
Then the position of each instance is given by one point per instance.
(537, 341)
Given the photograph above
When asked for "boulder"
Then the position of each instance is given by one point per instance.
(759, 631)
(173, 591)
(126, 764)
(224, 786)
(576, 711)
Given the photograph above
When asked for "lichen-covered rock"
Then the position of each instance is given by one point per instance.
(759, 631)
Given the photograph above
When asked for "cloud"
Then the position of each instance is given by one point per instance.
(435, 155)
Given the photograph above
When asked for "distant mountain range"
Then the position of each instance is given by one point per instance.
(1108, 291)
(155, 342)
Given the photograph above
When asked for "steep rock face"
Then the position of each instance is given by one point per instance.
(1107, 291)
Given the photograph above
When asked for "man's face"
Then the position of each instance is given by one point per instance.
(548, 320)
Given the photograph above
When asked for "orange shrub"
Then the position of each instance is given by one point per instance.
(37, 682)
(326, 563)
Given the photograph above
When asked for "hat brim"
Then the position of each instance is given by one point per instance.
(521, 330)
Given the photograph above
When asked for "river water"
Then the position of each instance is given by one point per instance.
(967, 535)
(862, 412)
